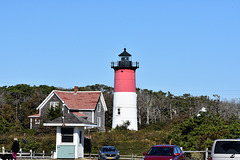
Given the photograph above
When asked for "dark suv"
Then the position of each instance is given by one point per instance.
(108, 152)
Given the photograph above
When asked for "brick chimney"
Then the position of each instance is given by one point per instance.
(75, 89)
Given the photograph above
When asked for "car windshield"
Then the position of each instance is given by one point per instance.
(227, 147)
(160, 151)
(109, 149)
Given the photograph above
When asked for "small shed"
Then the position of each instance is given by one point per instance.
(69, 135)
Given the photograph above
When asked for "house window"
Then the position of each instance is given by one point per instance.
(67, 134)
(37, 121)
(54, 104)
(118, 111)
(99, 121)
(99, 107)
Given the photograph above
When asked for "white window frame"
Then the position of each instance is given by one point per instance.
(99, 121)
(99, 107)
(37, 121)
(54, 104)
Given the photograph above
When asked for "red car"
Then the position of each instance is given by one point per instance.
(164, 152)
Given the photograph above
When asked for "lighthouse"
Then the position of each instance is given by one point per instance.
(125, 97)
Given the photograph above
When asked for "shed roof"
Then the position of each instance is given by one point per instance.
(33, 116)
(69, 119)
(79, 114)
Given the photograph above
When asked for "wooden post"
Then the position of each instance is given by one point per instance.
(3, 150)
(90, 153)
(43, 154)
(20, 153)
(31, 153)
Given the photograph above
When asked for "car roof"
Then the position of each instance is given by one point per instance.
(227, 140)
(165, 145)
(108, 146)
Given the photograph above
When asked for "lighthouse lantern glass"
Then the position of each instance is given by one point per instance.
(125, 58)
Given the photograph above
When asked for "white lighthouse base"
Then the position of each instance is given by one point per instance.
(125, 109)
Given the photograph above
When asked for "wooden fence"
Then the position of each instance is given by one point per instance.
(206, 152)
(29, 155)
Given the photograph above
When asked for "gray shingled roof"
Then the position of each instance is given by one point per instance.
(70, 118)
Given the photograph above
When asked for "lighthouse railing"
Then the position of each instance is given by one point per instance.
(124, 64)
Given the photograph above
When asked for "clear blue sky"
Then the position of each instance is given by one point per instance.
(183, 46)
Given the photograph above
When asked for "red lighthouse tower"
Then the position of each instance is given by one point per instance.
(125, 97)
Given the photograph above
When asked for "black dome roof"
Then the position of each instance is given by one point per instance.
(125, 53)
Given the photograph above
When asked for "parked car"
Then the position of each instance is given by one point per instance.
(164, 152)
(108, 152)
(226, 149)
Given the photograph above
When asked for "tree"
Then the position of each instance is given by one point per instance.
(217, 102)
(199, 132)
(5, 126)
(145, 103)
(124, 126)
(54, 112)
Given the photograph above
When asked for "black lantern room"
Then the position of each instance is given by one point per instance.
(125, 61)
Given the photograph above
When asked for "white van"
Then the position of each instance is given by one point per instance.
(226, 149)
